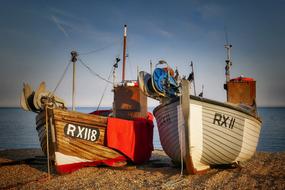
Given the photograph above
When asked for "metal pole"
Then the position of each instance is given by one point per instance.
(228, 61)
(73, 59)
(193, 78)
(124, 53)
(47, 140)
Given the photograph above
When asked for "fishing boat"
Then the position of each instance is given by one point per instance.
(72, 140)
(200, 132)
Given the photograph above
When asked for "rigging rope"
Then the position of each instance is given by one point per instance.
(104, 90)
(94, 73)
(61, 78)
(100, 49)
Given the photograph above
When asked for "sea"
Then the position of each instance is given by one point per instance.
(17, 129)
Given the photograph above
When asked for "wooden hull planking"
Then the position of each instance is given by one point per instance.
(69, 150)
(218, 134)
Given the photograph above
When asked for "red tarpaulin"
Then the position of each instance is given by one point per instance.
(131, 137)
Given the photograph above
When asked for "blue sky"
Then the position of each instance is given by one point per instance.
(36, 38)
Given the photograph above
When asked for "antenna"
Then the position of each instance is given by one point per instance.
(115, 66)
(228, 59)
(193, 77)
(124, 53)
(201, 93)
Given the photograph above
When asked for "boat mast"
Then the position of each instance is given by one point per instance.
(228, 61)
(193, 78)
(74, 55)
(124, 53)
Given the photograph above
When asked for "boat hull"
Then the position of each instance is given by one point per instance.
(219, 133)
(75, 140)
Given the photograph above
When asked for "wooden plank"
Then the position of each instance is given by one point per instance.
(77, 117)
(186, 114)
(86, 151)
(74, 146)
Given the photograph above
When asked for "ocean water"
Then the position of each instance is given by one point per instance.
(17, 129)
(272, 137)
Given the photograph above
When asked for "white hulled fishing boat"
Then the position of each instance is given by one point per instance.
(208, 132)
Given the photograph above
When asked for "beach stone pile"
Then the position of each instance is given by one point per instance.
(27, 169)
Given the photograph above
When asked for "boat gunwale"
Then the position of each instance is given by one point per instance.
(59, 112)
(201, 99)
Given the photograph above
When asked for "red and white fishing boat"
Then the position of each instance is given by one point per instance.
(72, 140)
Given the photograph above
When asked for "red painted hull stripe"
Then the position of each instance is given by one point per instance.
(67, 168)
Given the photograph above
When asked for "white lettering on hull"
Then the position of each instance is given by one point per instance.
(86, 133)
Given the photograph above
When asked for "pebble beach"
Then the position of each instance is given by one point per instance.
(27, 169)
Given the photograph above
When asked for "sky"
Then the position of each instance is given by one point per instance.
(36, 38)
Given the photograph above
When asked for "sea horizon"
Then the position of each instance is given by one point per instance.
(16, 123)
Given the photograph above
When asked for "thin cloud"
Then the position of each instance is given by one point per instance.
(209, 11)
(164, 33)
(65, 14)
(71, 24)
(60, 27)
(156, 28)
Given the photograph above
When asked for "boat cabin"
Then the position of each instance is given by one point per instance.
(241, 90)
(129, 101)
